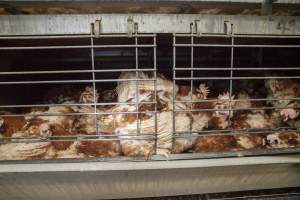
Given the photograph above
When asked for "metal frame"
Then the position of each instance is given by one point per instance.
(93, 180)
(147, 23)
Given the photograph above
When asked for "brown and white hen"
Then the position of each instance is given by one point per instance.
(284, 90)
(190, 123)
(128, 122)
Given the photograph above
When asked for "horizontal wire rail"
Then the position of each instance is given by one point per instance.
(77, 47)
(153, 102)
(255, 131)
(76, 113)
(237, 78)
(236, 68)
(234, 109)
(237, 45)
(75, 71)
(143, 136)
(76, 104)
(21, 37)
(235, 35)
(72, 81)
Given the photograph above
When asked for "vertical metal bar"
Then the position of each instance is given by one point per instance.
(174, 82)
(192, 76)
(174, 86)
(155, 91)
(136, 83)
(231, 76)
(94, 83)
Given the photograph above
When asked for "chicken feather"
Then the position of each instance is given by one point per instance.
(284, 90)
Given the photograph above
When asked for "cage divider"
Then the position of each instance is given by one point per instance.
(155, 94)
(231, 76)
(94, 86)
(192, 76)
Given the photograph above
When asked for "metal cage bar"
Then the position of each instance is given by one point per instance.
(93, 71)
(233, 46)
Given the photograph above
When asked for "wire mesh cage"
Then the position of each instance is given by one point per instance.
(148, 95)
(237, 86)
(73, 81)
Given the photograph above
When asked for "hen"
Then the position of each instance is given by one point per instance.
(57, 122)
(219, 143)
(250, 116)
(90, 124)
(60, 121)
(131, 125)
(19, 149)
(223, 143)
(190, 123)
(221, 115)
(127, 123)
(282, 140)
(86, 123)
(284, 90)
(218, 120)
(10, 125)
(244, 118)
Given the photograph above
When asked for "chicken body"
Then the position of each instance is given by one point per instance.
(10, 125)
(218, 119)
(251, 116)
(143, 125)
(283, 140)
(284, 90)
(241, 119)
(91, 125)
(221, 114)
(147, 121)
(19, 149)
(56, 121)
(24, 151)
(219, 143)
(190, 122)
(226, 143)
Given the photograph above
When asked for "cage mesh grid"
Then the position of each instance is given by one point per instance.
(92, 46)
(192, 45)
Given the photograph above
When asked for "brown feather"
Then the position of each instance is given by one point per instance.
(11, 125)
(215, 143)
(106, 148)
